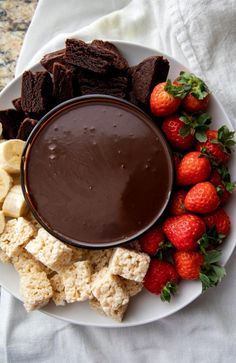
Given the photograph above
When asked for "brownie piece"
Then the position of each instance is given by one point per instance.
(112, 48)
(146, 75)
(58, 56)
(25, 128)
(94, 58)
(10, 120)
(17, 104)
(36, 92)
(63, 79)
(91, 83)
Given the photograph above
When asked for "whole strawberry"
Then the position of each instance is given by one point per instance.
(176, 207)
(184, 231)
(172, 127)
(193, 104)
(163, 103)
(188, 264)
(218, 145)
(193, 168)
(202, 198)
(194, 265)
(161, 279)
(220, 220)
(152, 241)
(220, 178)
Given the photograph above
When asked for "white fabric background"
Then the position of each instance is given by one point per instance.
(202, 35)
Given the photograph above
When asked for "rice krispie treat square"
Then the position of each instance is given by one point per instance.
(114, 314)
(16, 234)
(50, 251)
(109, 291)
(99, 258)
(132, 287)
(58, 288)
(76, 279)
(3, 257)
(36, 290)
(25, 263)
(129, 264)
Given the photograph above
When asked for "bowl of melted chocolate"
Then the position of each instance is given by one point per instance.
(96, 172)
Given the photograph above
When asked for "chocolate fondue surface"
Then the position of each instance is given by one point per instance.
(98, 171)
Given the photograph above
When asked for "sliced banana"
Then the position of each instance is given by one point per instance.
(5, 184)
(2, 221)
(14, 205)
(10, 155)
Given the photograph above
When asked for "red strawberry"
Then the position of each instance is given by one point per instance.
(161, 278)
(188, 264)
(197, 93)
(218, 145)
(163, 103)
(220, 177)
(193, 169)
(193, 104)
(194, 265)
(152, 241)
(220, 220)
(202, 198)
(177, 203)
(184, 231)
(172, 127)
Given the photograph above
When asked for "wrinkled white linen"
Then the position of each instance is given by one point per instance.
(202, 35)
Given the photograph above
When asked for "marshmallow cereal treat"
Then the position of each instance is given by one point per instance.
(36, 290)
(129, 264)
(50, 251)
(24, 263)
(3, 257)
(76, 279)
(17, 233)
(110, 292)
(58, 288)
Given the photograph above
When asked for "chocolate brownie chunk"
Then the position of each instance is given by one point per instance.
(93, 58)
(17, 104)
(58, 56)
(10, 120)
(112, 48)
(91, 83)
(146, 75)
(36, 92)
(63, 78)
(25, 128)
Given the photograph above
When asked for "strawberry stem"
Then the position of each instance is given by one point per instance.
(211, 271)
(168, 290)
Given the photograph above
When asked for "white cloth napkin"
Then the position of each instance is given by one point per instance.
(202, 35)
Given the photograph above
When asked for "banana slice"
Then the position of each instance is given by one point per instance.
(5, 184)
(10, 155)
(14, 205)
(2, 221)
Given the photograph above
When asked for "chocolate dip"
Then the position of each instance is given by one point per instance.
(97, 172)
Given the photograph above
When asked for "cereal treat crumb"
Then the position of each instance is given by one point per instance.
(48, 250)
(132, 287)
(110, 292)
(3, 257)
(76, 279)
(129, 264)
(36, 290)
(16, 234)
(25, 263)
(58, 288)
(99, 258)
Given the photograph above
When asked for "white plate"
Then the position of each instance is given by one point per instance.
(145, 307)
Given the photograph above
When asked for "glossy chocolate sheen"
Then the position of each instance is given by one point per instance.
(98, 172)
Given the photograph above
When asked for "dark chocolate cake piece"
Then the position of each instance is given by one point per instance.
(10, 120)
(17, 104)
(94, 58)
(58, 56)
(25, 128)
(36, 92)
(112, 48)
(63, 79)
(91, 83)
(146, 75)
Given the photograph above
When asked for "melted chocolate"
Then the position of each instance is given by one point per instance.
(98, 171)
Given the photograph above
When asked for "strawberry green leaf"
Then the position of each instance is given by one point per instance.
(197, 87)
(168, 290)
(212, 256)
(185, 130)
(205, 281)
(230, 186)
(179, 91)
(201, 136)
(211, 272)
